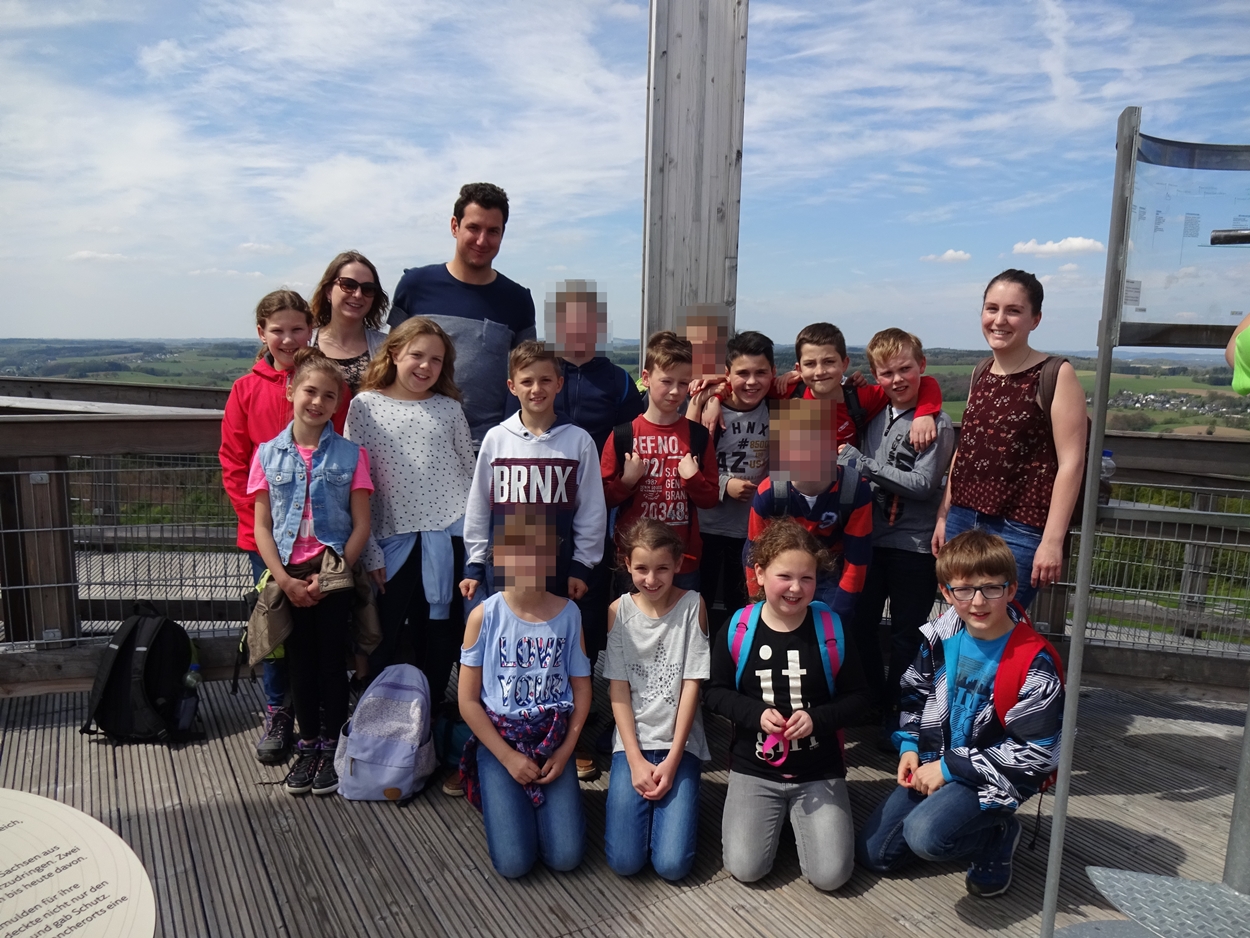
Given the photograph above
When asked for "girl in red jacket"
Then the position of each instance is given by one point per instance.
(256, 412)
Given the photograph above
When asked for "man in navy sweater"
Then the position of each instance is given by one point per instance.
(486, 314)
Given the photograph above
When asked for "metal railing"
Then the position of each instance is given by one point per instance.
(80, 541)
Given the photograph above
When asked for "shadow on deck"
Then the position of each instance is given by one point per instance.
(231, 855)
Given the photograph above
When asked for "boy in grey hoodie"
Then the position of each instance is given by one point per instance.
(537, 457)
(907, 490)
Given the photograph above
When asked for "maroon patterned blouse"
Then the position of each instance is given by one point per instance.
(1007, 463)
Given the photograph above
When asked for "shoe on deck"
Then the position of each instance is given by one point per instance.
(451, 785)
(326, 779)
(991, 876)
(587, 771)
(307, 758)
(274, 745)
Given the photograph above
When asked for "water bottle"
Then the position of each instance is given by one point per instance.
(193, 678)
(1104, 478)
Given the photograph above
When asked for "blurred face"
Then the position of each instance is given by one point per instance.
(822, 368)
(668, 388)
(580, 333)
(750, 377)
(985, 618)
(1007, 317)
(708, 336)
(477, 235)
(652, 572)
(789, 582)
(536, 387)
(526, 566)
(315, 399)
(418, 366)
(803, 440)
(285, 333)
(348, 301)
(899, 375)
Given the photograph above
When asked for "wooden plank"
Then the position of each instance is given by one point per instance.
(115, 392)
(109, 434)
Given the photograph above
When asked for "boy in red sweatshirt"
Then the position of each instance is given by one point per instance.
(663, 466)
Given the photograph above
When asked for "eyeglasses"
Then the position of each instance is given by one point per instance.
(990, 591)
(350, 286)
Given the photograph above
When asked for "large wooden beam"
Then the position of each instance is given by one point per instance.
(695, 93)
(106, 434)
(115, 392)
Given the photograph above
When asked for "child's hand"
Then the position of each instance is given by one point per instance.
(928, 778)
(663, 775)
(799, 725)
(633, 468)
(314, 588)
(554, 766)
(577, 588)
(698, 385)
(908, 762)
(740, 489)
(923, 432)
(771, 721)
(468, 587)
(688, 468)
(642, 777)
(297, 592)
(713, 415)
(523, 768)
(784, 384)
(378, 577)
(856, 379)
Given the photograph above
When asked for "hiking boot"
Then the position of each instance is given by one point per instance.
(992, 875)
(307, 759)
(451, 784)
(326, 781)
(274, 745)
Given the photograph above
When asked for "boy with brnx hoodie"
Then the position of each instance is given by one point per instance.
(979, 735)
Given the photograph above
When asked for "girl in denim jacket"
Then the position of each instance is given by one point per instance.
(312, 497)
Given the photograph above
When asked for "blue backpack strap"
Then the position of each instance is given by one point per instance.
(741, 634)
(832, 640)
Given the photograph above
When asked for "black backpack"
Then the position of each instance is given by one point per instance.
(139, 694)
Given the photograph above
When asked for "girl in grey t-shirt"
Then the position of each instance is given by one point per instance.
(657, 656)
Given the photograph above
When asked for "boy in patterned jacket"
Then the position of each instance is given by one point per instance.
(979, 729)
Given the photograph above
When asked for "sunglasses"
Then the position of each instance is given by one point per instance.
(350, 286)
(965, 593)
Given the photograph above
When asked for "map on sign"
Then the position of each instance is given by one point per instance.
(1173, 273)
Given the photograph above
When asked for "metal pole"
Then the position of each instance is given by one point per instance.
(1108, 336)
(1237, 860)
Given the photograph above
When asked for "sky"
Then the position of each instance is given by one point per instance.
(164, 165)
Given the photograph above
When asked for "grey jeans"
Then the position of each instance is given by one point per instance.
(820, 814)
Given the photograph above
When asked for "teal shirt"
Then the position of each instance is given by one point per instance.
(970, 682)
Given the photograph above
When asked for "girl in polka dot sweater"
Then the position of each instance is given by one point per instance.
(408, 416)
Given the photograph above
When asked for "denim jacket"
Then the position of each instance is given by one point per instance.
(333, 465)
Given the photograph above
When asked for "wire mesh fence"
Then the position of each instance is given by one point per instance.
(83, 539)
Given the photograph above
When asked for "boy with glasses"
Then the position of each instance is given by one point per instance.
(979, 735)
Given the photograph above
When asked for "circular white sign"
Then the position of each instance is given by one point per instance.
(63, 874)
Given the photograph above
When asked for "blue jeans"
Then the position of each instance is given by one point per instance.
(273, 676)
(666, 829)
(947, 825)
(517, 833)
(1023, 539)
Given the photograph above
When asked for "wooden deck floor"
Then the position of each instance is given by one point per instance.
(231, 855)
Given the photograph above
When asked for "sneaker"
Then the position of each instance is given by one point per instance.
(307, 758)
(587, 771)
(992, 875)
(274, 745)
(326, 781)
(451, 785)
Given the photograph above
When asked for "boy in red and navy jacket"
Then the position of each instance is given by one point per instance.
(830, 500)
(663, 466)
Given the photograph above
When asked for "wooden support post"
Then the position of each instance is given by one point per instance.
(40, 584)
(696, 89)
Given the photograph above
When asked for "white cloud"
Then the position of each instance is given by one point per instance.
(949, 256)
(96, 256)
(1052, 248)
(253, 247)
(1068, 268)
(216, 272)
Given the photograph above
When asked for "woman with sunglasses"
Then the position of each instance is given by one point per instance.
(348, 307)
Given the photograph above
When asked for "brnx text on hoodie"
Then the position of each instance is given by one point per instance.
(559, 469)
